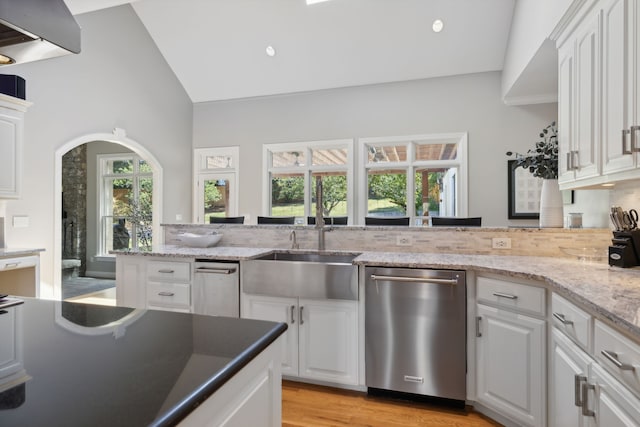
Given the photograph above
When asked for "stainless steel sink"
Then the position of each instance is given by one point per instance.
(301, 275)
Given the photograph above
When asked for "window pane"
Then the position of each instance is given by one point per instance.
(287, 159)
(436, 151)
(218, 162)
(122, 196)
(386, 193)
(216, 198)
(287, 195)
(387, 153)
(329, 156)
(119, 166)
(144, 167)
(436, 191)
(334, 193)
(120, 231)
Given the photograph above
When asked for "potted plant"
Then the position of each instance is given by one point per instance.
(542, 162)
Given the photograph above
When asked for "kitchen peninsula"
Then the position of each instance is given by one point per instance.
(79, 365)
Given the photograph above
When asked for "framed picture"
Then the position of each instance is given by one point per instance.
(524, 192)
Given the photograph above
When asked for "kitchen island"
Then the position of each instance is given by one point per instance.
(79, 364)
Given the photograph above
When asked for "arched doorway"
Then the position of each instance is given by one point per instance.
(60, 233)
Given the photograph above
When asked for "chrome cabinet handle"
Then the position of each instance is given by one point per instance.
(633, 130)
(11, 265)
(478, 331)
(166, 294)
(301, 318)
(562, 319)
(575, 156)
(624, 142)
(569, 161)
(166, 270)
(508, 296)
(613, 358)
(415, 279)
(577, 382)
(210, 270)
(293, 320)
(585, 400)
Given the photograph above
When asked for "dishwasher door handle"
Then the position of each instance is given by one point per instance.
(415, 279)
(210, 270)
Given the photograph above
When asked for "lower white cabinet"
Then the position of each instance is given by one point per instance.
(10, 350)
(569, 370)
(511, 364)
(607, 403)
(322, 340)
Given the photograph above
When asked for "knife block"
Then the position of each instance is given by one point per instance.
(625, 249)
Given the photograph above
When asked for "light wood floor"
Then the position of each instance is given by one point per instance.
(311, 405)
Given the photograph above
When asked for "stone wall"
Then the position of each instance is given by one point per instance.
(74, 207)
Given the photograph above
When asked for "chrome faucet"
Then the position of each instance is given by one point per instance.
(319, 215)
(294, 242)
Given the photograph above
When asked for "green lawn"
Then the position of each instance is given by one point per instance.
(375, 207)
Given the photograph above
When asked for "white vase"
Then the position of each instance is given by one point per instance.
(551, 213)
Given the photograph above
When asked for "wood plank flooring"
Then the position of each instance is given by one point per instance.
(310, 405)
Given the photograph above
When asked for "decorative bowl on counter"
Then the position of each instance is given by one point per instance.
(587, 253)
(199, 240)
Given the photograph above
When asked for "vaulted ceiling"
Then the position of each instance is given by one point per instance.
(218, 48)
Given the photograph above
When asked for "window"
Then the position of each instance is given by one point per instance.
(293, 169)
(215, 183)
(126, 187)
(414, 175)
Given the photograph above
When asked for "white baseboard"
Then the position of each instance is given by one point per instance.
(100, 274)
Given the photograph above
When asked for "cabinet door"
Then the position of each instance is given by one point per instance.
(617, 88)
(277, 310)
(613, 405)
(586, 144)
(328, 340)
(10, 154)
(131, 281)
(566, 121)
(9, 350)
(569, 366)
(511, 365)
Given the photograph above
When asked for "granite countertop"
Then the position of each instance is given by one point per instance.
(115, 366)
(12, 252)
(612, 292)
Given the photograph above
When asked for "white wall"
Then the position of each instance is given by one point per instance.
(533, 21)
(119, 80)
(469, 103)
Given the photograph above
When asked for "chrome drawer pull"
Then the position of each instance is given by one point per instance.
(562, 319)
(166, 294)
(11, 265)
(613, 358)
(293, 320)
(478, 331)
(501, 295)
(577, 382)
(301, 318)
(166, 270)
(585, 399)
(215, 270)
(415, 279)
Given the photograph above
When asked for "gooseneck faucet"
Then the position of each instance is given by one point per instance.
(319, 215)
(294, 242)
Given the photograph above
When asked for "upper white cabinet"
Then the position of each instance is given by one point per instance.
(11, 135)
(598, 102)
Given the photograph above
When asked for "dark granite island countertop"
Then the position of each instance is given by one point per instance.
(113, 366)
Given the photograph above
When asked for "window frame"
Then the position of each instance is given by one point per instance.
(307, 170)
(202, 173)
(411, 165)
(105, 208)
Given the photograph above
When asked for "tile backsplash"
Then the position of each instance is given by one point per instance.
(626, 195)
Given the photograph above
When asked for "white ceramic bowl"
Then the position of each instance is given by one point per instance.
(199, 240)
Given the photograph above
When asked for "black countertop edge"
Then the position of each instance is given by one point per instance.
(190, 403)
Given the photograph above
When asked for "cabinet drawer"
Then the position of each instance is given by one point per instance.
(573, 321)
(170, 295)
(513, 295)
(169, 270)
(618, 355)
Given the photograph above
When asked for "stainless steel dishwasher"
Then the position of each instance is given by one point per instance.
(216, 288)
(415, 331)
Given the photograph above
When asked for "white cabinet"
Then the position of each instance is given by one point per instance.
(607, 403)
(322, 340)
(11, 139)
(579, 102)
(510, 350)
(11, 348)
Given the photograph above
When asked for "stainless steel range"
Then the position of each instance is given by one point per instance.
(415, 331)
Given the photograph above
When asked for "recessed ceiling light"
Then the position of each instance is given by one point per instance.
(271, 51)
(437, 26)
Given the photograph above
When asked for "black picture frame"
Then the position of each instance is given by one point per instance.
(516, 177)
